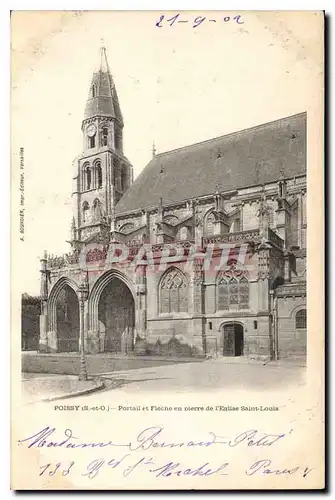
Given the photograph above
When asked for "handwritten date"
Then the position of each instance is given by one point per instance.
(197, 21)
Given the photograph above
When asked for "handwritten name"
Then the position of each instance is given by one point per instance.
(149, 438)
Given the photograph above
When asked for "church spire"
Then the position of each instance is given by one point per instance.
(102, 99)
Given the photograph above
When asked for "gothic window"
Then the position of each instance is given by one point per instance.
(173, 292)
(223, 295)
(86, 209)
(243, 293)
(210, 225)
(233, 291)
(301, 320)
(104, 139)
(88, 178)
(98, 173)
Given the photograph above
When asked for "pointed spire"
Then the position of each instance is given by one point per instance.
(153, 149)
(102, 99)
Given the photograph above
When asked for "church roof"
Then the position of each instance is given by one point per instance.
(102, 99)
(250, 157)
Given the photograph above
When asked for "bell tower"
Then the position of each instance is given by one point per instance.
(102, 174)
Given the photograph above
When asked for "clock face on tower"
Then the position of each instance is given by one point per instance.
(91, 130)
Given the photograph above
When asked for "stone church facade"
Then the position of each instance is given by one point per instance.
(242, 193)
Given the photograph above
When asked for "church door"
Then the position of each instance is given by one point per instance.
(233, 339)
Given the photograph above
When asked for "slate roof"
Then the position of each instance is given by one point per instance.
(250, 157)
(105, 102)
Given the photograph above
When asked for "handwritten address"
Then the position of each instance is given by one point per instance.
(152, 439)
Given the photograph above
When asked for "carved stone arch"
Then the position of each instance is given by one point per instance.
(98, 288)
(53, 296)
(228, 321)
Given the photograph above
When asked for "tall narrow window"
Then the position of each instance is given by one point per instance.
(98, 171)
(243, 301)
(124, 178)
(233, 291)
(96, 209)
(86, 209)
(173, 292)
(104, 140)
(223, 295)
(301, 320)
(88, 176)
(210, 225)
(91, 142)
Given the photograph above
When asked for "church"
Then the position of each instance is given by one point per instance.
(245, 192)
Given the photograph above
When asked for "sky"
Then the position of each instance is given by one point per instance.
(177, 85)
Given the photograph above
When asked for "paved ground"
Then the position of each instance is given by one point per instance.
(37, 386)
(211, 375)
(68, 363)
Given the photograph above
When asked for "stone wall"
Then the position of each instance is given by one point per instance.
(290, 340)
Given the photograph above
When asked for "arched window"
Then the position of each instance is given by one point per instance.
(86, 209)
(210, 225)
(104, 136)
(88, 178)
(235, 226)
(173, 292)
(301, 320)
(98, 173)
(233, 291)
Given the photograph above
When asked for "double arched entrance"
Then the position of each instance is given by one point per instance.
(232, 339)
(109, 316)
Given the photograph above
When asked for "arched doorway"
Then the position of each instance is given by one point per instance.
(232, 339)
(67, 318)
(116, 312)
